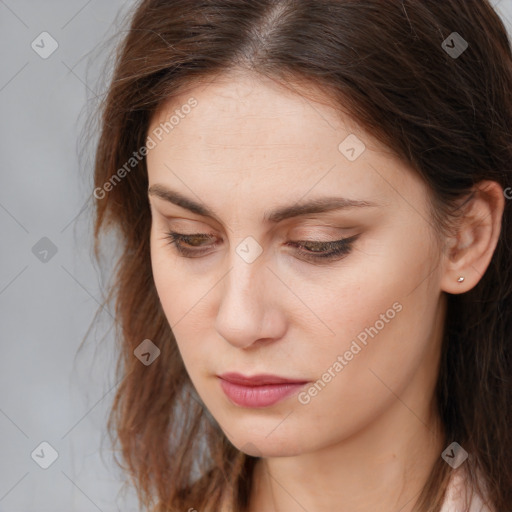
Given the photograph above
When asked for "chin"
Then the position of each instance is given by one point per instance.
(261, 446)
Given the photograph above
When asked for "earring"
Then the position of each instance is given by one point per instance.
(460, 279)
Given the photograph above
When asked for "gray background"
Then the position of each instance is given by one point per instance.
(47, 301)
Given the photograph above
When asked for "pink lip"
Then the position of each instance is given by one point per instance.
(258, 391)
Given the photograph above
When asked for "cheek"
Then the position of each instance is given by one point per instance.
(341, 302)
(362, 299)
(176, 289)
(394, 364)
(184, 300)
(383, 320)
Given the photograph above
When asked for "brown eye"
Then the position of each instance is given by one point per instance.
(187, 245)
(325, 250)
(181, 241)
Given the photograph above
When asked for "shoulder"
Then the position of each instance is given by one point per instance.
(459, 493)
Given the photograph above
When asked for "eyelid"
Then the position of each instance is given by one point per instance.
(196, 225)
(323, 227)
(327, 220)
(332, 235)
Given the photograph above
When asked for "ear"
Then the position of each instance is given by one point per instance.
(469, 252)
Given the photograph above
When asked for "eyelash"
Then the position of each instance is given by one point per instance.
(338, 248)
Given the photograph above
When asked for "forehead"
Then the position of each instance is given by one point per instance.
(251, 137)
(247, 121)
(240, 104)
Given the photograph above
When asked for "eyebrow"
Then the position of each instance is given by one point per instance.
(319, 205)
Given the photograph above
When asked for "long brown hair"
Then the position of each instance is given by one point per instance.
(385, 63)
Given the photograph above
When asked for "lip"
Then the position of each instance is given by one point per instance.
(258, 380)
(258, 391)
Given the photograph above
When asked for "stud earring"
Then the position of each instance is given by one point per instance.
(460, 279)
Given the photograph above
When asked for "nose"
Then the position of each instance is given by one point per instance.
(248, 309)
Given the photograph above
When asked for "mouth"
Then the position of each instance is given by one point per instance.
(258, 391)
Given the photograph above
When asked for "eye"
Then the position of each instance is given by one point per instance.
(187, 246)
(335, 249)
(181, 241)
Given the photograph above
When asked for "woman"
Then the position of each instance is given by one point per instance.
(313, 297)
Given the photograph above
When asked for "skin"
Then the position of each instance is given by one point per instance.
(368, 439)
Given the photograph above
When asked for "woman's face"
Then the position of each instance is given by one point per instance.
(252, 294)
